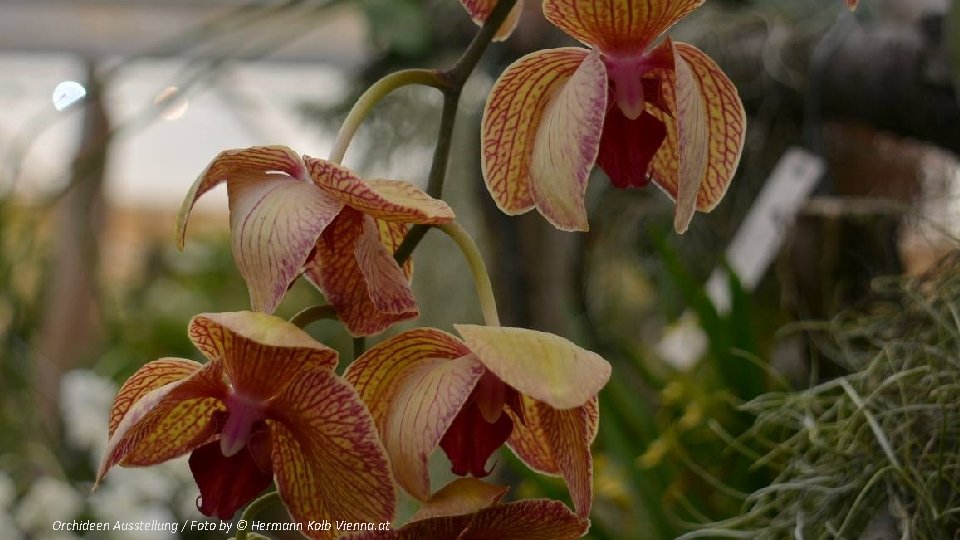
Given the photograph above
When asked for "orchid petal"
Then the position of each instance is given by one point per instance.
(261, 354)
(245, 163)
(335, 270)
(167, 421)
(415, 384)
(461, 496)
(699, 157)
(852, 4)
(567, 144)
(514, 111)
(275, 221)
(425, 405)
(393, 234)
(617, 26)
(389, 200)
(479, 10)
(379, 372)
(327, 458)
(558, 442)
(147, 379)
(543, 366)
(534, 519)
(388, 285)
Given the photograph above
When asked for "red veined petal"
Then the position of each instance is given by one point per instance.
(392, 234)
(147, 379)
(541, 365)
(387, 283)
(566, 145)
(707, 103)
(424, 410)
(461, 496)
(378, 373)
(389, 200)
(512, 118)
(168, 421)
(558, 443)
(243, 163)
(617, 27)
(226, 483)
(398, 377)
(261, 354)
(535, 519)
(479, 10)
(275, 221)
(327, 458)
(334, 270)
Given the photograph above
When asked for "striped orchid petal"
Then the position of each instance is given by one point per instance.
(618, 27)
(558, 442)
(388, 200)
(479, 10)
(171, 419)
(541, 133)
(704, 139)
(358, 277)
(328, 461)
(415, 384)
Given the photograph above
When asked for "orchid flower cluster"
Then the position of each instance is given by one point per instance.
(268, 407)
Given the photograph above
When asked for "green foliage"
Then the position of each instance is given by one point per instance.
(875, 450)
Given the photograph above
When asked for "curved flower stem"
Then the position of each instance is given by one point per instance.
(373, 95)
(488, 304)
(456, 77)
(254, 509)
(313, 314)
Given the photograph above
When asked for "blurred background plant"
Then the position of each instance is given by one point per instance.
(91, 286)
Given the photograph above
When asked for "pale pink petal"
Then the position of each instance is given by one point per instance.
(388, 285)
(514, 111)
(566, 146)
(275, 221)
(244, 163)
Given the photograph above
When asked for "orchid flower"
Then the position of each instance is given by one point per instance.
(640, 111)
(266, 407)
(535, 391)
(479, 10)
(290, 215)
(469, 509)
(852, 4)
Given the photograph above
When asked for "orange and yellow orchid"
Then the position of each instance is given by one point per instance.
(479, 10)
(533, 390)
(663, 113)
(469, 509)
(291, 215)
(266, 407)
